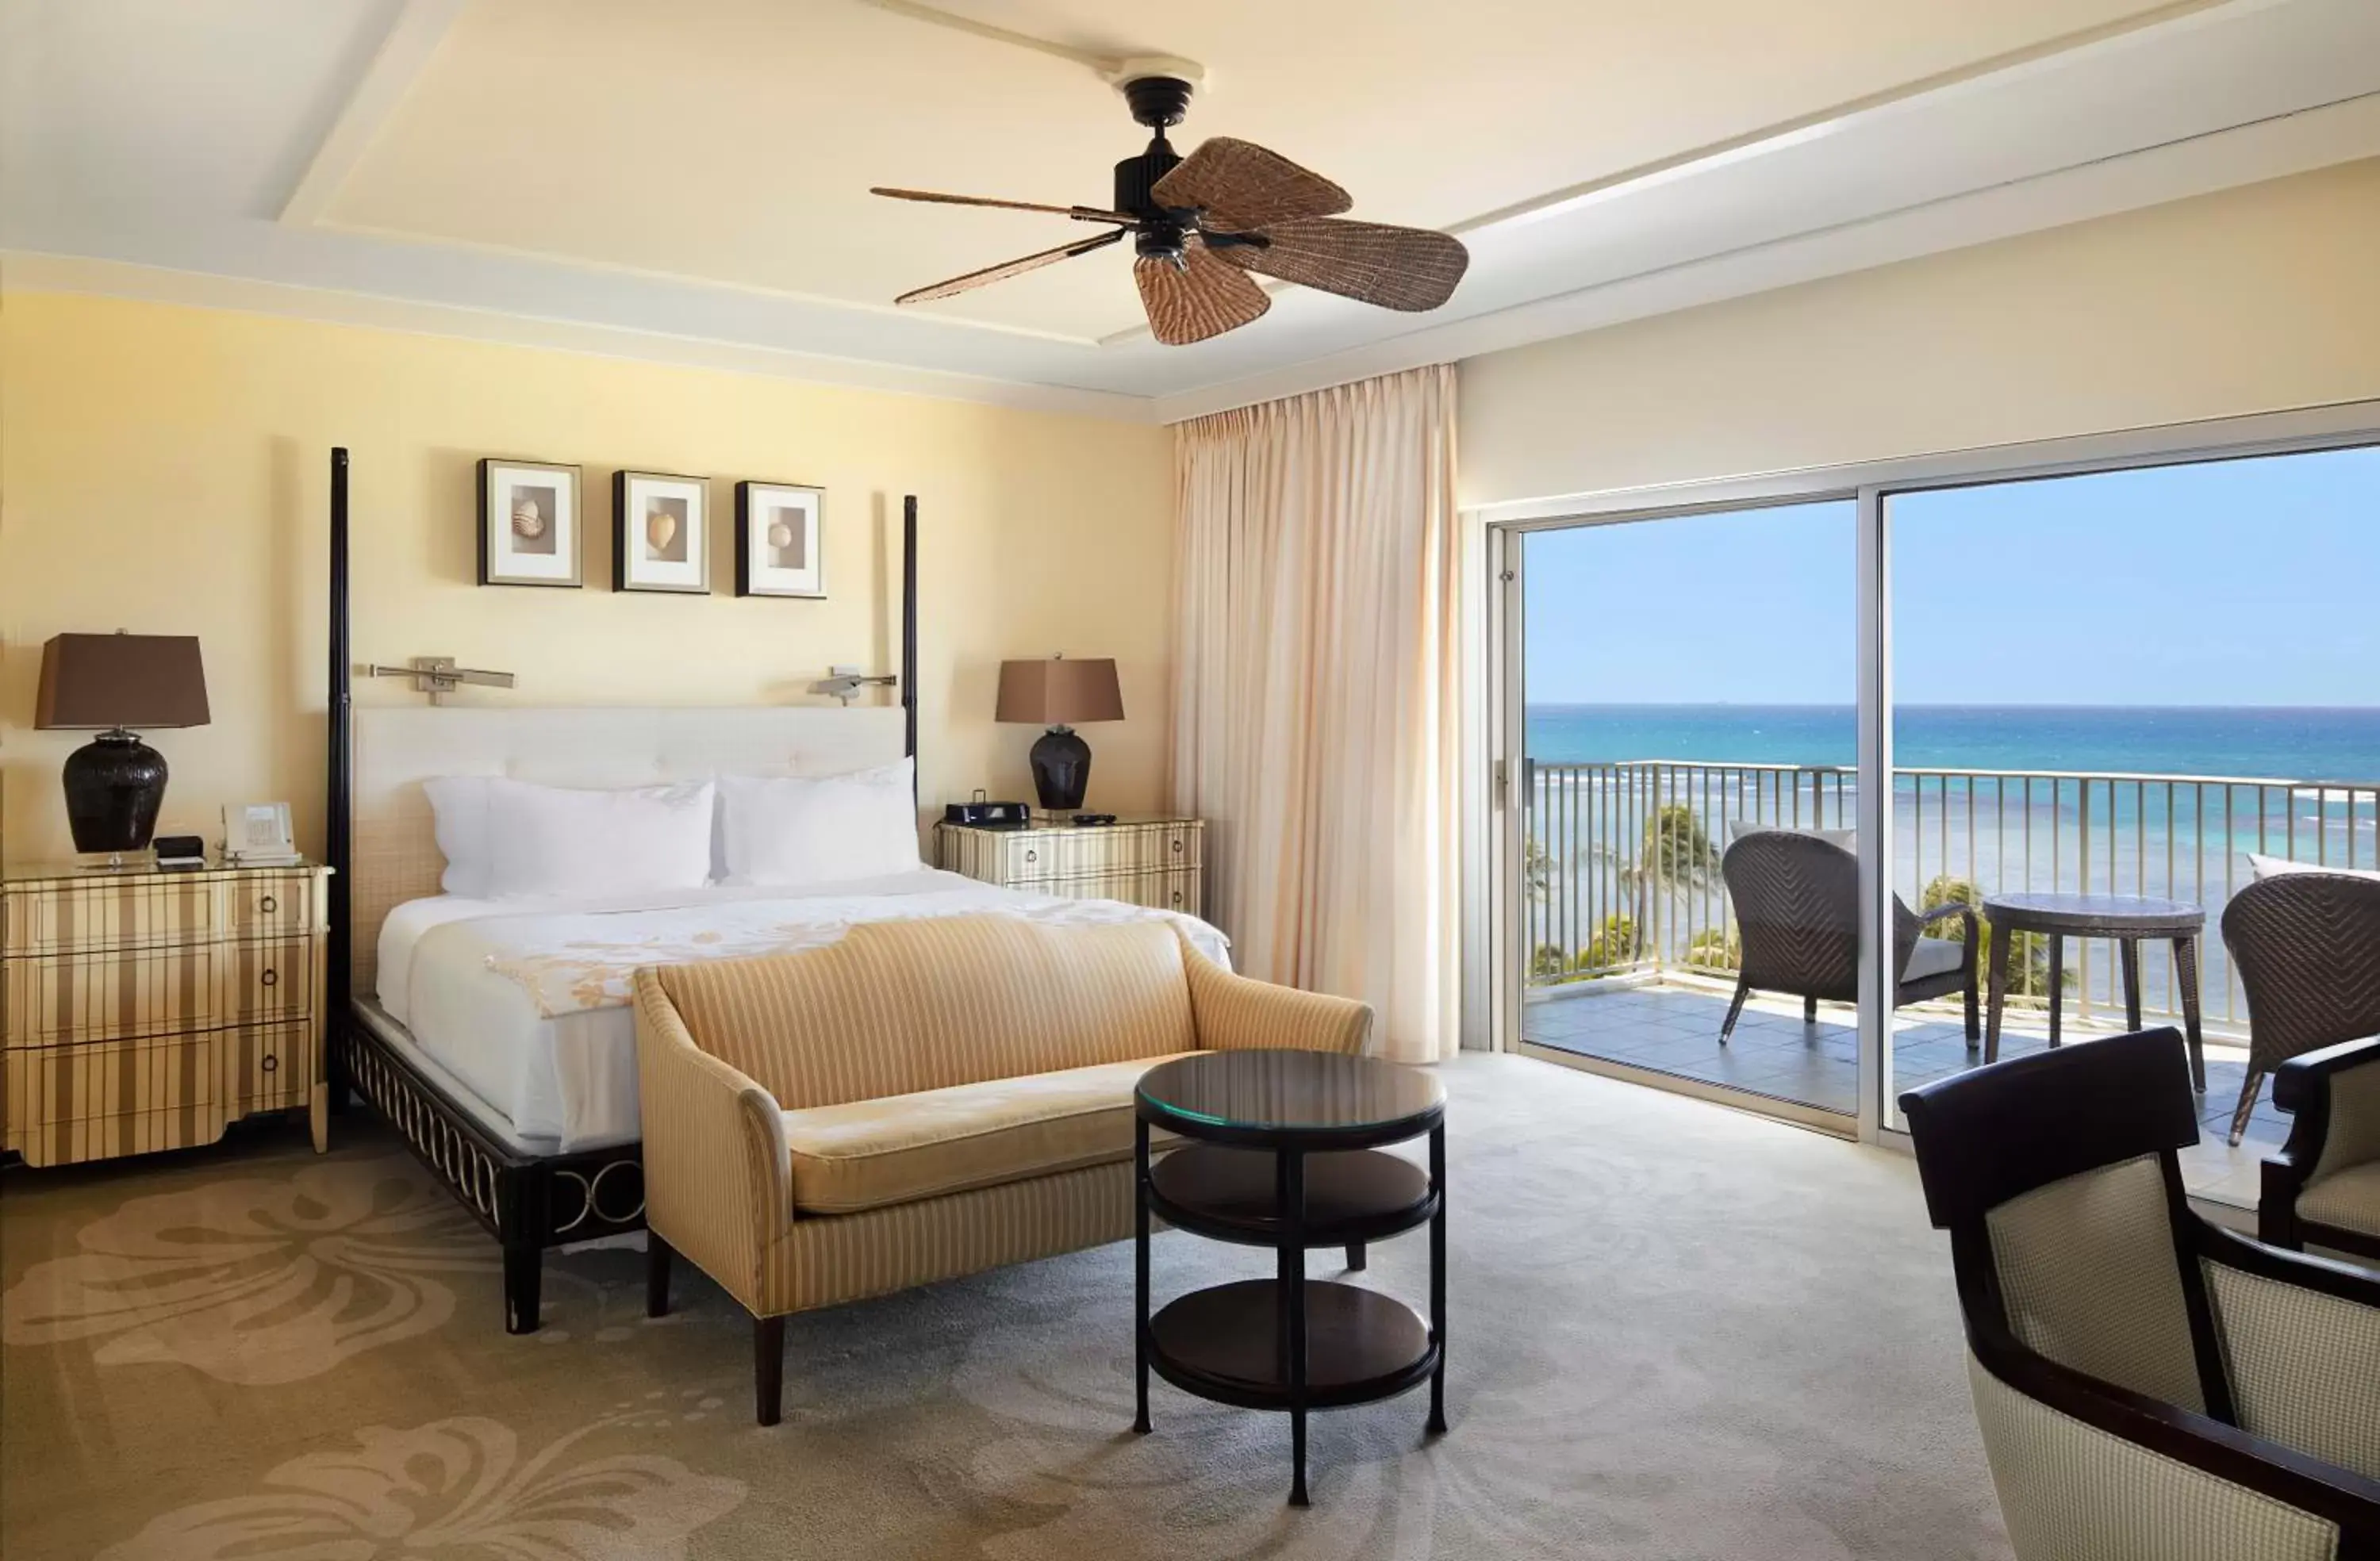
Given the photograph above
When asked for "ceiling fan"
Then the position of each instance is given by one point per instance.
(1200, 224)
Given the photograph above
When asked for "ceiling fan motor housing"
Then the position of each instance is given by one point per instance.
(1157, 101)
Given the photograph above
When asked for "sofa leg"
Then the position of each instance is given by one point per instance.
(657, 1274)
(768, 1369)
(524, 1266)
(1809, 1010)
(1356, 1258)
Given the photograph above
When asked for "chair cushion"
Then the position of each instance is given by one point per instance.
(900, 1007)
(2348, 1199)
(871, 1153)
(1933, 956)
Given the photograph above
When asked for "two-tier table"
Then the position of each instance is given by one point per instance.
(1285, 1152)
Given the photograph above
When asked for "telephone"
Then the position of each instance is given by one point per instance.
(257, 834)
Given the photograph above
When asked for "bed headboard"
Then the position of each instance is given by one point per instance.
(380, 840)
(395, 855)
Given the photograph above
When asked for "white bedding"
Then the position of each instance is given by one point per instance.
(524, 1001)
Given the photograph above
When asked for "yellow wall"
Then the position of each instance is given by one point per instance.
(2255, 300)
(164, 470)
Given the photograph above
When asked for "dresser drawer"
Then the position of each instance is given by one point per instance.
(123, 1098)
(266, 1066)
(1038, 856)
(1158, 890)
(110, 911)
(59, 999)
(266, 978)
(266, 905)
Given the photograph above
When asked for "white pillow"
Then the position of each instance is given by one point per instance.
(793, 831)
(2280, 867)
(458, 803)
(1739, 828)
(553, 840)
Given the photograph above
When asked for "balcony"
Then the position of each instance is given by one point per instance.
(1634, 944)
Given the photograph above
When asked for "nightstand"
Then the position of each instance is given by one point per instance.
(144, 1008)
(1140, 860)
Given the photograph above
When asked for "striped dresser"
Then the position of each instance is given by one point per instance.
(144, 1009)
(1141, 860)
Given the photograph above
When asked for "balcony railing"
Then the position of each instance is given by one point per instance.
(1623, 858)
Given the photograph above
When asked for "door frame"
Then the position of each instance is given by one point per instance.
(1500, 965)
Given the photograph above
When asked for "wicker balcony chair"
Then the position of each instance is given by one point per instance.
(2307, 947)
(1796, 899)
(2149, 1387)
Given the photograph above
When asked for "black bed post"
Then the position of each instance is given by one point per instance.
(338, 847)
(909, 637)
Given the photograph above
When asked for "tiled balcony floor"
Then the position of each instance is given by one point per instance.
(1675, 1030)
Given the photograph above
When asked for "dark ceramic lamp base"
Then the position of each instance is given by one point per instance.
(1062, 770)
(114, 785)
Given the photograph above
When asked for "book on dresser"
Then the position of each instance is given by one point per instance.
(145, 1009)
(1141, 859)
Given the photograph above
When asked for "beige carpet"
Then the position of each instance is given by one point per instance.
(1675, 1332)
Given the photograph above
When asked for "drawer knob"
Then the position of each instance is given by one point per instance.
(1177, 848)
(1177, 897)
(268, 904)
(271, 1064)
(269, 978)
(1033, 856)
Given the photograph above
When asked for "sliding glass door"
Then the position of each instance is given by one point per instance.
(2122, 671)
(1689, 683)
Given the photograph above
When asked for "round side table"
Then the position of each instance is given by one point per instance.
(1284, 1152)
(2125, 919)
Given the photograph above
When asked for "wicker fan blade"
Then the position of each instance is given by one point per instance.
(1400, 267)
(1080, 213)
(1009, 268)
(1240, 184)
(1201, 298)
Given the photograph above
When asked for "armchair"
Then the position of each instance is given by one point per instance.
(1796, 899)
(2149, 1387)
(2307, 947)
(2325, 1184)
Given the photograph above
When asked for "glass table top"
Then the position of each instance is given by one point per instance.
(1290, 1092)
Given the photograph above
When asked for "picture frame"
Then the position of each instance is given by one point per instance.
(529, 531)
(778, 528)
(661, 533)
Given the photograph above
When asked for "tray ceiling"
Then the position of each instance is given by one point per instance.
(699, 170)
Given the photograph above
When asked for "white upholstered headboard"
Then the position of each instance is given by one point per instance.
(399, 746)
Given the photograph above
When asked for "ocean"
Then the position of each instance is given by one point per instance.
(2340, 744)
(2300, 783)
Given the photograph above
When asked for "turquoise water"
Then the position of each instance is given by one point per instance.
(2337, 745)
(2187, 841)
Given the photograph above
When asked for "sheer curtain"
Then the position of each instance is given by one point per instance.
(1315, 684)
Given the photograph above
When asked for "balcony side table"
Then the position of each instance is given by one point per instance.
(2123, 918)
(1284, 1153)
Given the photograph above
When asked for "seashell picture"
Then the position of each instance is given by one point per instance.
(661, 535)
(528, 524)
(777, 539)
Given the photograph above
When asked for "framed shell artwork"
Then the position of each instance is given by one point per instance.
(528, 524)
(661, 533)
(777, 533)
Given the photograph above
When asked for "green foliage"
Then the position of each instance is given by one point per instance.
(1537, 869)
(1714, 949)
(1678, 849)
(2029, 967)
(1616, 942)
(1548, 964)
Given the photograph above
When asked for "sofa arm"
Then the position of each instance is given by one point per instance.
(718, 1180)
(1234, 1013)
(2336, 1093)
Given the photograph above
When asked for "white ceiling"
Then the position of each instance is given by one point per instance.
(689, 179)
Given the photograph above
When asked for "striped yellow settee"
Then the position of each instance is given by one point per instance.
(920, 1100)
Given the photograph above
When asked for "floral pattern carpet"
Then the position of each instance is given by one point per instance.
(1674, 1332)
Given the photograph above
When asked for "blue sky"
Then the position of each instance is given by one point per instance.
(2224, 582)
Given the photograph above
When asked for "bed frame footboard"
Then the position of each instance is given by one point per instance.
(528, 1202)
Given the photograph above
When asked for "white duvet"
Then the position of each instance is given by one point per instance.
(524, 1002)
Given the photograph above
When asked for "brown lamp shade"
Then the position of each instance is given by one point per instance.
(139, 681)
(1059, 692)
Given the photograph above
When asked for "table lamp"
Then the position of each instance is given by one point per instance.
(115, 783)
(1056, 692)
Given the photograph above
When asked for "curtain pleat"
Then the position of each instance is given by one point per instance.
(1315, 686)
